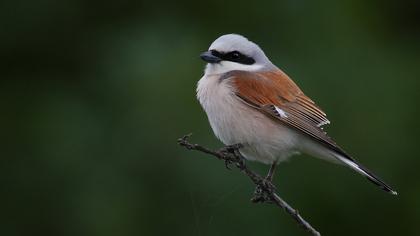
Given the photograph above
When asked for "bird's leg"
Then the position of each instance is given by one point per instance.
(268, 180)
(271, 172)
(265, 187)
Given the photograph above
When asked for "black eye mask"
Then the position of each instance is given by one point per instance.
(234, 56)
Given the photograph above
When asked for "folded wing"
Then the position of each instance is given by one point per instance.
(276, 95)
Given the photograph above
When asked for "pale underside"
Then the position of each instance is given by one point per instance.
(234, 120)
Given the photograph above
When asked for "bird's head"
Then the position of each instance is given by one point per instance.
(235, 52)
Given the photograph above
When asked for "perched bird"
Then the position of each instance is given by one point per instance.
(249, 101)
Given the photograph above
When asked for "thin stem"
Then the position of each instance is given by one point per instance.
(265, 190)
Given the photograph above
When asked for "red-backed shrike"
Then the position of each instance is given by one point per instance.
(250, 101)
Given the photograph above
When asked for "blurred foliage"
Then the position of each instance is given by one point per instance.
(95, 94)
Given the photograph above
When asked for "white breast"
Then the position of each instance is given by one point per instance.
(235, 122)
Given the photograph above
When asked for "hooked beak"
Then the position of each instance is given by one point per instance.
(209, 57)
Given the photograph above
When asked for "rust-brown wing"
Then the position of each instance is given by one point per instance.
(278, 89)
(277, 96)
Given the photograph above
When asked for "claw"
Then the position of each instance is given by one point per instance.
(240, 163)
(232, 148)
(269, 185)
(227, 165)
(263, 192)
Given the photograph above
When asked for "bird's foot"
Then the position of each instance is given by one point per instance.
(263, 192)
(233, 151)
(231, 148)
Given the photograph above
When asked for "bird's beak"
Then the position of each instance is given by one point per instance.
(209, 57)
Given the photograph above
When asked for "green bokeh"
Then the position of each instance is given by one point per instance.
(95, 95)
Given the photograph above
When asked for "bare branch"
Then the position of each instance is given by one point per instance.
(265, 191)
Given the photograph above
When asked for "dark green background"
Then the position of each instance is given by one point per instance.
(94, 95)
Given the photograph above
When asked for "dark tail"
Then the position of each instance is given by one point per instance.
(350, 162)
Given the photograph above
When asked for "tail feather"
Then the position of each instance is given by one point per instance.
(365, 172)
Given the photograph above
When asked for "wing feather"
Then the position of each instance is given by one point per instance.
(278, 89)
(267, 90)
(277, 96)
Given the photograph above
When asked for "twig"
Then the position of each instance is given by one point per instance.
(265, 191)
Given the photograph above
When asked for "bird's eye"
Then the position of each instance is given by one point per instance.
(235, 55)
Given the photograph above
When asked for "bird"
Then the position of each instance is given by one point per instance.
(250, 101)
